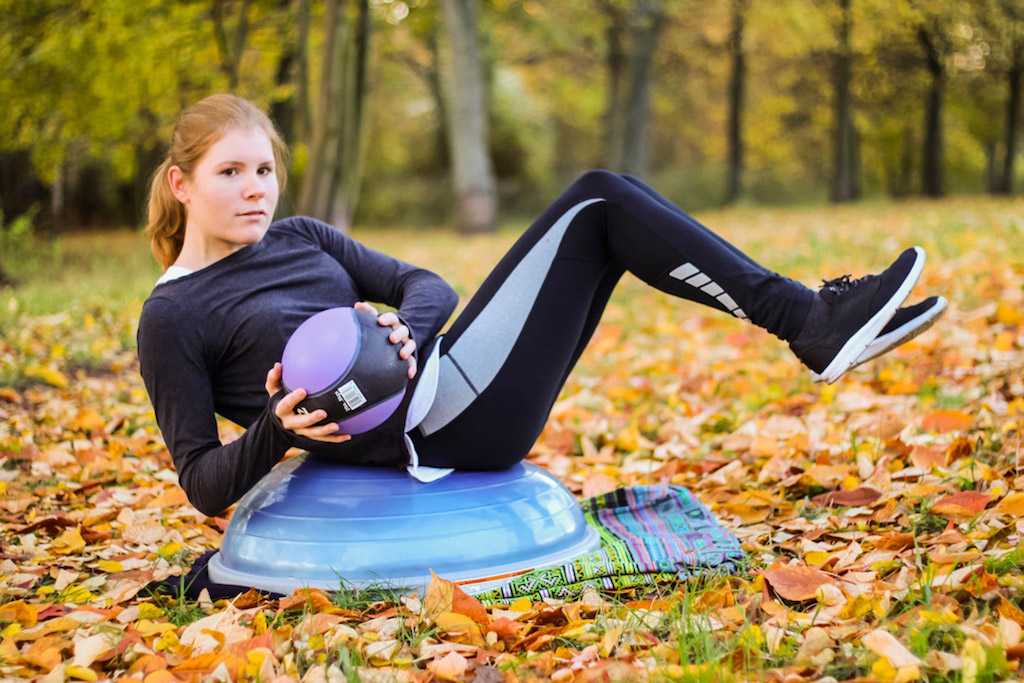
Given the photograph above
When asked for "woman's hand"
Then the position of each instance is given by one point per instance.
(301, 424)
(400, 335)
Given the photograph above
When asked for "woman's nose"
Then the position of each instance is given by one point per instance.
(254, 188)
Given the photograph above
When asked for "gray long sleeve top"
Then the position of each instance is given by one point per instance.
(206, 341)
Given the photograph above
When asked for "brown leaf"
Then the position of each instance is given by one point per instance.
(927, 457)
(439, 596)
(962, 504)
(302, 596)
(946, 421)
(466, 604)
(796, 582)
(451, 667)
(507, 629)
(864, 495)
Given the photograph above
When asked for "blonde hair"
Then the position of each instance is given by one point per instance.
(196, 130)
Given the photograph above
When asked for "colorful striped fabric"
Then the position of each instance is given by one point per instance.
(649, 535)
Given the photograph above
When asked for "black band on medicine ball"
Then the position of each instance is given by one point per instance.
(376, 374)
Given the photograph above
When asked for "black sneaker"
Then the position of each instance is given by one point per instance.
(847, 315)
(905, 324)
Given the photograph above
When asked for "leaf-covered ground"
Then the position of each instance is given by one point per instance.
(882, 515)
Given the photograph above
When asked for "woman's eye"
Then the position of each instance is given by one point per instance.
(227, 171)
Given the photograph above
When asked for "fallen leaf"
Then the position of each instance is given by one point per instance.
(69, 542)
(962, 504)
(451, 667)
(864, 495)
(439, 596)
(796, 582)
(884, 644)
(1013, 504)
(946, 421)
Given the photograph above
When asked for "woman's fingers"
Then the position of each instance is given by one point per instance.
(412, 368)
(274, 379)
(400, 334)
(287, 404)
(327, 432)
(407, 349)
(387, 319)
(365, 306)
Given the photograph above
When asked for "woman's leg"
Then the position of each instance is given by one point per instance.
(507, 355)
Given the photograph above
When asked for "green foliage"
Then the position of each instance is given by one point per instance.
(1007, 563)
(22, 250)
(354, 597)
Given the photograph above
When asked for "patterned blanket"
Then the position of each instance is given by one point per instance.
(649, 535)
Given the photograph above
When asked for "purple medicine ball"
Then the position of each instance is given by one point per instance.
(349, 369)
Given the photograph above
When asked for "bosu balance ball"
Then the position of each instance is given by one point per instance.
(312, 523)
(349, 369)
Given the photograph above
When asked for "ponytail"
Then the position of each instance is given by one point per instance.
(165, 225)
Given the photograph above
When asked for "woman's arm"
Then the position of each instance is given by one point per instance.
(424, 301)
(174, 370)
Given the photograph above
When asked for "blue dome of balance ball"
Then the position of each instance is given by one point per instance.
(312, 523)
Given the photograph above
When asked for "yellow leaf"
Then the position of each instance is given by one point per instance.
(110, 566)
(816, 558)
(46, 374)
(439, 596)
(147, 628)
(520, 605)
(1008, 314)
(20, 612)
(69, 542)
(169, 549)
(80, 672)
(459, 625)
(1012, 504)
(148, 610)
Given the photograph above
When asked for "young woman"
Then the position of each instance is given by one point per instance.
(237, 285)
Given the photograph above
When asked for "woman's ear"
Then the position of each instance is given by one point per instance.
(176, 180)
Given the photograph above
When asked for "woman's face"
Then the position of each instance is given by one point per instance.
(231, 196)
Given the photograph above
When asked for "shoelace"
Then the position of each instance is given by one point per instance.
(841, 284)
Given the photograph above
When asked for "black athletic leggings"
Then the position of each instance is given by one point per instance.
(508, 354)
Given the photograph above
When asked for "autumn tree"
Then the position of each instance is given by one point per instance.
(475, 190)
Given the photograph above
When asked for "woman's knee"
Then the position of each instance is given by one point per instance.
(599, 182)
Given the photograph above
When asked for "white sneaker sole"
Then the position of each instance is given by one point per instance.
(860, 339)
(903, 333)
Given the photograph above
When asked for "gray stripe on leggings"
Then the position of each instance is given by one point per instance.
(452, 397)
(484, 346)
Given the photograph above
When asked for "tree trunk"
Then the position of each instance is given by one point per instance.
(932, 157)
(332, 177)
(615, 63)
(647, 27)
(473, 175)
(230, 52)
(302, 115)
(844, 182)
(992, 178)
(737, 83)
(1012, 116)
(348, 167)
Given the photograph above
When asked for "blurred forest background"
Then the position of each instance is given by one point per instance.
(427, 112)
